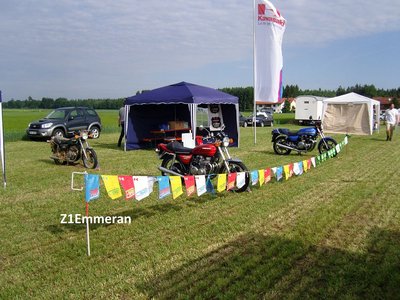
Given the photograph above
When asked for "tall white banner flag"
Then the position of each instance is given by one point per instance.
(2, 154)
(269, 27)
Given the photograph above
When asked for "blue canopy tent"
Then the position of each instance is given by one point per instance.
(150, 110)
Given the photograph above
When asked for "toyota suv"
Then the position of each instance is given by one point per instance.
(64, 121)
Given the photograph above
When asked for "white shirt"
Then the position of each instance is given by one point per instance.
(391, 116)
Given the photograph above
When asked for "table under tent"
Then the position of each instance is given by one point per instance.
(169, 111)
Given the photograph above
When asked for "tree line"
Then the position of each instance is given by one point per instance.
(245, 95)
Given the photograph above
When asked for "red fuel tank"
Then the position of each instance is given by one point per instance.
(205, 150)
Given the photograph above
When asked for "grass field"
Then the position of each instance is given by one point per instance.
(333, 232)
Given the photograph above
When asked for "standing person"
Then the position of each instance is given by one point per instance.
(121, 122)
(392, 118)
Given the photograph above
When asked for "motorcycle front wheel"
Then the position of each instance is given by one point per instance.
(235, 167)
(279, 149)
(327, 145)
(90, 161)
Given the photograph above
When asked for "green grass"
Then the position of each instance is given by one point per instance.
(333, 232)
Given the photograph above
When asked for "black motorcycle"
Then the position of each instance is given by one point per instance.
(303, 140)
(71, 150)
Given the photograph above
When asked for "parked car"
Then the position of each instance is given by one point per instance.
(262, 119)
(242, 120)
(64, 121)
(382, 116)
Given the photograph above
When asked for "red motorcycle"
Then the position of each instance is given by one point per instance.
(211, 157)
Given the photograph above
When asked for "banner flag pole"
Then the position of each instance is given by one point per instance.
(87, 229)
(2, 150)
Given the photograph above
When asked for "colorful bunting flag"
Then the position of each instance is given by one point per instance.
(254, 177)
(200, 184)
(309, 164)
(164, 188)
(313, 162)
(286, 170)
(261, 177)
(337, 148)
(209, 185)
(267, 175)
(296, 169)
(305, 165)
(176, 186)
(221, 183)
(279, 173)
(112, 186)
(92, 187)
(231, 181)
(240, 179)
(301, 168)
(127, 185)
(189, 184)
(143, 187)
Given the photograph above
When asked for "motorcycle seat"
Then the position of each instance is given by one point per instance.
(60, 140)
(178, 148)
(286, 131)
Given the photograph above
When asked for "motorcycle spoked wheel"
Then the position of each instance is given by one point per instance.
(237, 167)
(91, 161)
(176, 167)
(280, 150)
(330, 143)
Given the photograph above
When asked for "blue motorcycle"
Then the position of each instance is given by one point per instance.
(303, 140)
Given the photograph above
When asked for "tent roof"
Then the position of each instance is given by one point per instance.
(351, 98)
(184, 93)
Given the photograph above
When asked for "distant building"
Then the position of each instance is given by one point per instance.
(278, 107)
(385, 102)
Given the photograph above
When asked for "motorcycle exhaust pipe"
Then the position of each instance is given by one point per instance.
(165, 170)
(291, 148)
(286, 147)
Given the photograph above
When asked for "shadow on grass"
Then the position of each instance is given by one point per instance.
(114, 146)
(256, 266)
(137, 212)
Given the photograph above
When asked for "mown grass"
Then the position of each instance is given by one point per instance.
(333, 232)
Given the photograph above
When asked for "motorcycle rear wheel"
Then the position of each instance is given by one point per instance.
(168, 164)
(278, 149)
(235, 166)
(59, 162)
(91, 161)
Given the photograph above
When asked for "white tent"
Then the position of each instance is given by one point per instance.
(351, 113)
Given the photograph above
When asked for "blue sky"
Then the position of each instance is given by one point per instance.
(113, 48)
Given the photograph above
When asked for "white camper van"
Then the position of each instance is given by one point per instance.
(308, 108)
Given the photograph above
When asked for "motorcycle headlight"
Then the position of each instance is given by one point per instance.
(225, 141)
(47, 125)
(85, 135)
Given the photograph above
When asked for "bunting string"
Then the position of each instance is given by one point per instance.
(140, 187)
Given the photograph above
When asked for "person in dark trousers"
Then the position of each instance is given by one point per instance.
(121, 122)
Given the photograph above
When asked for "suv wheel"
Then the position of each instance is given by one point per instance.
(95, 132)
(58, 132)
